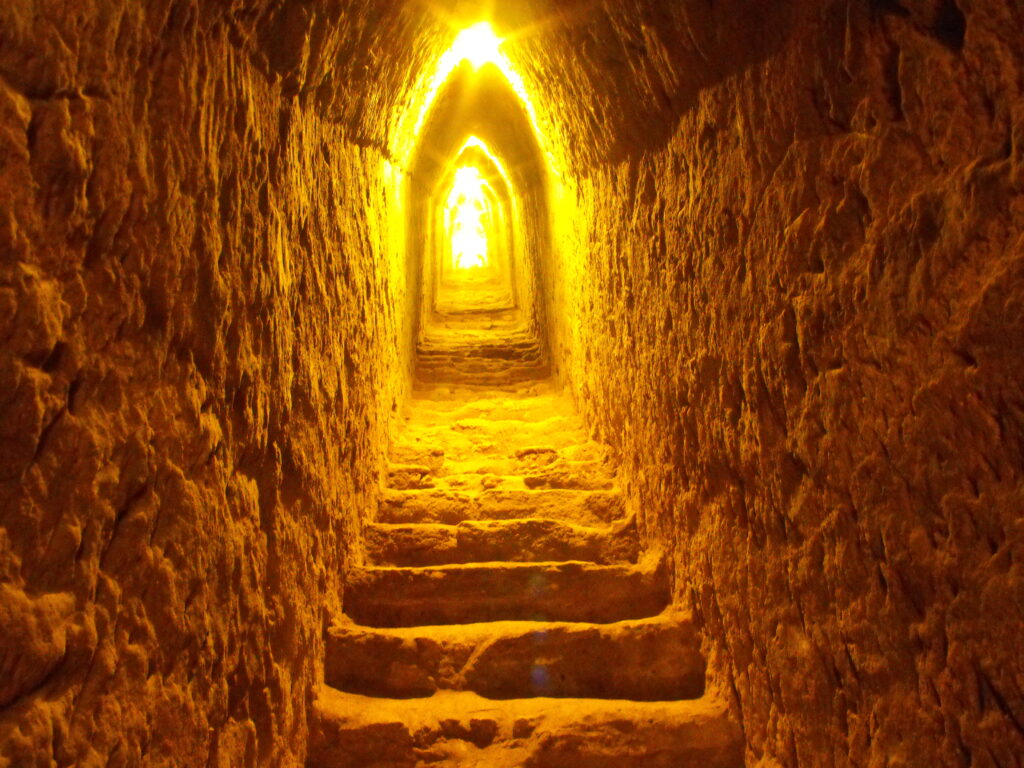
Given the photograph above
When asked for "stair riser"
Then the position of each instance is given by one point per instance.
(524, 542)
(478, 437)
(577, 475)
(517, 352)
(383, 597)
(514, 474)
(641, 661)
(582, 507)
(480, 365)
(415, 479)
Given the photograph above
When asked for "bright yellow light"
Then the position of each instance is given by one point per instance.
(467, 207)
(478, 45)
(475, 142)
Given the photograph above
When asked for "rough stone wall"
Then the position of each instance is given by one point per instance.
(794, 306)
(789, 291)
(198, 356)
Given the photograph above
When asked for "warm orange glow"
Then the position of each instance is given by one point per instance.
(467, 209)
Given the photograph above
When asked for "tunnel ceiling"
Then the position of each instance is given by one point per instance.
(360, 63)
(608, 80)
(482, 104)
(796, 335)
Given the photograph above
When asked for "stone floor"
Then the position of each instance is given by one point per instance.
(508, 616)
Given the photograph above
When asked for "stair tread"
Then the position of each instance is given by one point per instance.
(445, 704)
(515, 540)
(509, 627)
(651, 659)
(470, 592)
(497, 525)
(499, 469)
(506, 565)
(350, 729)
(502, 493)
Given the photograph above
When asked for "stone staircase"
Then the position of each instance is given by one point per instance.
(507, 616)
(457, 350)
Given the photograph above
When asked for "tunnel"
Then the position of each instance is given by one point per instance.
(591, 383)
(478, 223)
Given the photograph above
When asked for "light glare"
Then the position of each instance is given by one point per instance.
(467, 205)
(478, 45)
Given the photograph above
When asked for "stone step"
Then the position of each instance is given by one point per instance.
(462, 328)
(532, 461)
(585, 458)
(653, 659)
(509, 320)
(463, 333)
(491, 435)
(479, 378)
(447, 390)
(462, 728)
(520, 540)
(450, 507)
(477, 373)
(485, 362)
(530, 407)
(497, 359)
(464, 344)
(481, 362)
(478, 369)
(510, 349)
(565, 475)
(502, 459)
(483, 378)
(475, 592)
(562, 473)
(500, 348)
(477, 363)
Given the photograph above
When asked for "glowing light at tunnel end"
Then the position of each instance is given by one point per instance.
(467, 206)
(478, 45)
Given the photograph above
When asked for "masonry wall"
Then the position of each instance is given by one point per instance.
(199, 325)
(792, 300)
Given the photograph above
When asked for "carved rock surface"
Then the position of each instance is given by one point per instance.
(193, 395)
(791, 303)
(785, 285)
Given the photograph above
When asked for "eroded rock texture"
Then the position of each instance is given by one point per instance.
(803, 258)
(199, 324)
(786, 285)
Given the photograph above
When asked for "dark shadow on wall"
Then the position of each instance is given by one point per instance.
(637, 66)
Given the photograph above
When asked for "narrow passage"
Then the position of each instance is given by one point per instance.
(507, 616)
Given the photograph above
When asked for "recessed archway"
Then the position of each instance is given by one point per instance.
(478, 121)
(471, 242)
